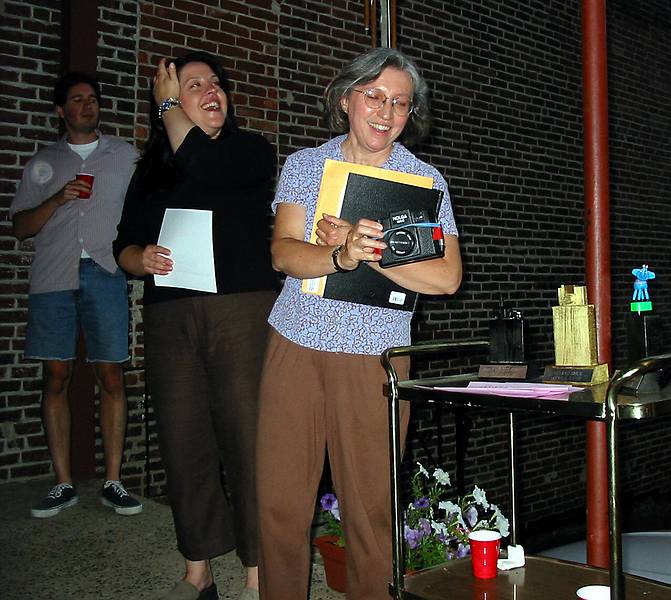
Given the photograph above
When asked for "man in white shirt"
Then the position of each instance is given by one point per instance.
(75, 282)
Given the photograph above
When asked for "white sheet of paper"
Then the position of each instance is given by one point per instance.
(188, 234)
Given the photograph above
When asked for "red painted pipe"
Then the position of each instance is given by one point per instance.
(597, 257)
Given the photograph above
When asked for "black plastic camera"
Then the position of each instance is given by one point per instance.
(411, 236)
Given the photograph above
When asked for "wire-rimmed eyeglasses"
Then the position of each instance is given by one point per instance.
(375, 98)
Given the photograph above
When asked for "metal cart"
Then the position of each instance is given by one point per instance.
(540, 578)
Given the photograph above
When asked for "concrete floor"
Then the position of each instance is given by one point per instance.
(87, 552)
(644, 553)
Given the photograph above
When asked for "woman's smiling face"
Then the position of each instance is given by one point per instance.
(202, 98)
(374, 130)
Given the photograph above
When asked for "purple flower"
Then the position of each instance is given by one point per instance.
(327, 501)
(463, 550)
(471, 516)
(424, 526)
(421, 502)
(413, 537)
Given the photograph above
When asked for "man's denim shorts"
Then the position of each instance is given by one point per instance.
(99, 306)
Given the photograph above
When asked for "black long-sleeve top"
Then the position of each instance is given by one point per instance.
(230, 176)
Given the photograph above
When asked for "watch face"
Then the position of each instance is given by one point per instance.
(166, 105)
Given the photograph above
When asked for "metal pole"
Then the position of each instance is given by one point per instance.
(653, 363)
(385, 24)
(615, 558)
(513, 479)
(398, 559)
(373, 23)
(597, 257)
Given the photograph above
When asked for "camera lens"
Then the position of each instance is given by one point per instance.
(401, 242)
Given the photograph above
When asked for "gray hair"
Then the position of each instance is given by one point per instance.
(368, 67)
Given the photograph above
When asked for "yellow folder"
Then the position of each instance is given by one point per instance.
(332, 191)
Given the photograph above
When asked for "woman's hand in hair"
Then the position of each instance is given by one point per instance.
(166, 82)
(166, 85)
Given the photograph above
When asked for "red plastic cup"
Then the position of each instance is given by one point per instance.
(88, 178)
(485, 545)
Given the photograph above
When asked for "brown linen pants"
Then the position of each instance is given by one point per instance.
(204, 357)
(311, 401)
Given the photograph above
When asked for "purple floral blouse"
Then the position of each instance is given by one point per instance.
(335, 325)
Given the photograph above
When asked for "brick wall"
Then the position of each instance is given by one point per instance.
(506, 95)
(507, 134)
(30, 59)
(640, 129)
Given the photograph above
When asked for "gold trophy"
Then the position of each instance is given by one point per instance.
(576, 356)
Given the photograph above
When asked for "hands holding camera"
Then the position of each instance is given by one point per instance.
(362, 241)
(409, 235)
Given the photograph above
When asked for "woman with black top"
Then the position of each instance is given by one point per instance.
(204, 351)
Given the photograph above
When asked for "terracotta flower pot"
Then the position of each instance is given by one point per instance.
(334, 562)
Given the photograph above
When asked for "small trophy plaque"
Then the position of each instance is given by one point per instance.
(574, 324)
(507, 333)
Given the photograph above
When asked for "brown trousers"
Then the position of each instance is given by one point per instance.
(204, 357)
(311, 401)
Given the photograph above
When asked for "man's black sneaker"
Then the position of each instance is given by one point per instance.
(115, 496)
(61, 496)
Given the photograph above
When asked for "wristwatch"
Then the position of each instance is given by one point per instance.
(337, 251)
(166, 105)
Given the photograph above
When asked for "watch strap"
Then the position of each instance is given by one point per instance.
(166, 105)
(337, 251)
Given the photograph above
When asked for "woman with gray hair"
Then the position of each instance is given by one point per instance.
(322, 382)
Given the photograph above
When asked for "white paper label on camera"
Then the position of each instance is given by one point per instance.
(397, 298)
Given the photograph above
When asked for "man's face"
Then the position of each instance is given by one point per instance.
(81, 111)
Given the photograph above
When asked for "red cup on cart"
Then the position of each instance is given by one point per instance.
(485, 546)
(88, 178)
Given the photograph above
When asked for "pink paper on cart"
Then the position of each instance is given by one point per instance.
(546, 391)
